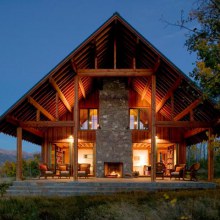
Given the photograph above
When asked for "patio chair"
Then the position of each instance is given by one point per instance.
(64, 171)
(45, 171)
(179, 171)
(83, 170)
(160, 169)
(193, 171)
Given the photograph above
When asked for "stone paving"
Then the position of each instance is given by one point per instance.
(99, 186)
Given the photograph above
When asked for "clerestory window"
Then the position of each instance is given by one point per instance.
(139, 119)
(88, 119)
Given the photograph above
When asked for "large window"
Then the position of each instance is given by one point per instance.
(88, 119)
(138, 119)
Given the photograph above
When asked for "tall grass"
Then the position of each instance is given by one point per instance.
(188, 204)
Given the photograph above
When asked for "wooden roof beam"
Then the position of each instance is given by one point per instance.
(73, 65)
(45, 124)
(82, 88)
(114, 72)
(157, 65)
(147, 86)
(60, 94)
(169, 94)
(41, 109)
(187, 124)
(188, 109)
(194, 132)
(18, 123)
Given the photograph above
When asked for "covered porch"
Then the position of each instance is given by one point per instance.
(114, 99)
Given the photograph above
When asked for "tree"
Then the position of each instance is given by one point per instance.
(204, 40)
(29, 167)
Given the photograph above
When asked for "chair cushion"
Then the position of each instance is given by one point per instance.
(48, 172)
(82, 172)
(175, 173)
(43, 167)
(178, 169)
(62, 168)
(64, 172)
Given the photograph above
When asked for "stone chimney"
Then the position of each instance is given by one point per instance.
(113, 139)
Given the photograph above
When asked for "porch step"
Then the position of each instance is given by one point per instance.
(71, 188)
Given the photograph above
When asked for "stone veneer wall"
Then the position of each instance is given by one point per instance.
(113, 140)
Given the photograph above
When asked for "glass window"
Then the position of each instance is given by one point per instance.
(84, 119)
(138, 119)
(143, 123)
(133, 118)
(88, 119)
(93, 118)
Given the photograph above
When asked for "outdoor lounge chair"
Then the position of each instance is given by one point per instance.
(160, 169)
(193, 171)
(83, 170)
(45, 171)
(179, 171)
(64, 170)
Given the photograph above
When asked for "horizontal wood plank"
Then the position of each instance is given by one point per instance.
(188, 124)
(48, 123)
(115, 72)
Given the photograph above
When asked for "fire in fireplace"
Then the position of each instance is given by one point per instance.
(113, 169)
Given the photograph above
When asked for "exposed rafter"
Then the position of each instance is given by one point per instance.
(73, 65)
(147, 86)
(61, 95)
(169, 94)
(188, 109)
(115, 72)
(194, 132)
(82, 88)
(18, 123)
(41, 108)
(157, 65)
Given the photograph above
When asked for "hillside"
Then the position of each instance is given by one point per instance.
(10, 155)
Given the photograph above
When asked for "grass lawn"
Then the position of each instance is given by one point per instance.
(187, 204)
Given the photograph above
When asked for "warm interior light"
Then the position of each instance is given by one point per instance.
(70, 139)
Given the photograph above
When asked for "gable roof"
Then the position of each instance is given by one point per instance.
(97, 51)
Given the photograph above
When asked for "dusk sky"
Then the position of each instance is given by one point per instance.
(37, 35)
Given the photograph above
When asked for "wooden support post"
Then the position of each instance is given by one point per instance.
(19, 154)
(115, 54)
(210, 157)
(96, 62)
(172, 107)
(153, 129)
(44, 150)
(115, 45)
(71, 156)
(94, 159)
(38, 115)
(76, 126)
(57, 109)
(134, 63)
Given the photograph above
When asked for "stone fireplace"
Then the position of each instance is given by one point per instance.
(113, 139)
(113, 170)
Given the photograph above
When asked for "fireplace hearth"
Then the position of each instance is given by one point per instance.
(113, 169)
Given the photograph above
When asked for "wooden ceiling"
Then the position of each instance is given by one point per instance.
(113, 49)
